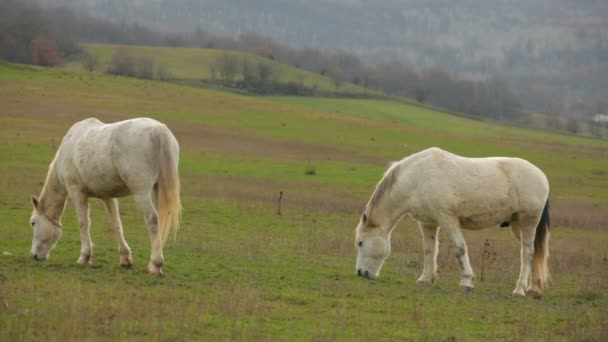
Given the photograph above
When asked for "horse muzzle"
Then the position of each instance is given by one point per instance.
(36, 257)
(364, 274)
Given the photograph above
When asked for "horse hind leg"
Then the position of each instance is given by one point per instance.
(516, 232)
(113, 217)
(526, 238)
(145, 204)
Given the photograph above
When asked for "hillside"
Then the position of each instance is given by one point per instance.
(561, 46)
(195, 64)
(237, 270)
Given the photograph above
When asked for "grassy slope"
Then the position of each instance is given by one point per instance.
(194, 64)
(237, 270)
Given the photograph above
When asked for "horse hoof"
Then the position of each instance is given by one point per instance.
(534, 294)
(126, 261)
(157, 271)
(85, 260)
(468, 289)
(467, 283)
(518, 293)
(425, 281)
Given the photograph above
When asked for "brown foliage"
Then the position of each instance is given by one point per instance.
(44, 52)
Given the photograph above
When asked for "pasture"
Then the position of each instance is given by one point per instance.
(239, 271)
(195, 64)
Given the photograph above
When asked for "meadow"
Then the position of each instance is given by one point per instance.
(239, 271)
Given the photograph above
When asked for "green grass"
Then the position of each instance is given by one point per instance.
(194, 64)
(239, 271)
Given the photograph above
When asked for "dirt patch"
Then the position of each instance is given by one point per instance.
(574, 150)
(202, 137)
(579, 215)
(56, 118)
(51, 118)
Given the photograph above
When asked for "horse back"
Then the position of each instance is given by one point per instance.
(481, 192)
(112, 160)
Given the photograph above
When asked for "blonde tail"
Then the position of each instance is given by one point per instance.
(540, 268)
(168, 186)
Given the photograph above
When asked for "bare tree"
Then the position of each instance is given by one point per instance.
(122, 64)
(336, 74)
(90, 61)
(145, 67)
(212, 72)
(227, 66)
(162, 73)
(264, 72)
(249, 74)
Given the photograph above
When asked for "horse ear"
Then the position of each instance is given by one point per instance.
(35, 202)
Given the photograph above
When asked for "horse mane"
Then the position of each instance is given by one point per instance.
(385, 185)
(52, 197)
(50, 179)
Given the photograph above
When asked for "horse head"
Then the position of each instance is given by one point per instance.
(373, 247)
(46, 232)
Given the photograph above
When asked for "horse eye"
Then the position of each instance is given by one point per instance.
(33, 223)
(360, 243)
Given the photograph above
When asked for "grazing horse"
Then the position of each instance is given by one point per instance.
(442, 190)
(136, 157)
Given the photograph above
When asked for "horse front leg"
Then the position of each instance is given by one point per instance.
(81, 203)
(452, 229)
(430, 242)
(145, 204)
(113, 217)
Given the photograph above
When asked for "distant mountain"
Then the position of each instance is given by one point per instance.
(558, 44)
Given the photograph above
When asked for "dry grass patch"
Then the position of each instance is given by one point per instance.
(579, 214)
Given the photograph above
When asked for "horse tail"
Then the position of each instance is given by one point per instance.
(168, 186)
(540, 269)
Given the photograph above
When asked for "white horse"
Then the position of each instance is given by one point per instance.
(440, 189)
(106, 161)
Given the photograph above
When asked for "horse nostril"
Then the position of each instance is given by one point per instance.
(366, 274)
(359, 273)
(34, 256)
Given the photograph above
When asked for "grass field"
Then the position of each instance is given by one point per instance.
(194, 64)
(239, 271)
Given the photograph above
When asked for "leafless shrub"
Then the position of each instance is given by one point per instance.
(162, 73)
(122, 64)
(145, 67)
(488, 256)
(90, 61)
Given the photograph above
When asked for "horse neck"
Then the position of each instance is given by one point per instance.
(387, 216)
(391, 208)
(53, 196)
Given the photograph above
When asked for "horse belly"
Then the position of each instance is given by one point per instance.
(107, 190)
(104, 185)
(483, 220)
(486, 215)
(98, 176)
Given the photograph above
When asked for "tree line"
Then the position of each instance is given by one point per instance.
(29, 34)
